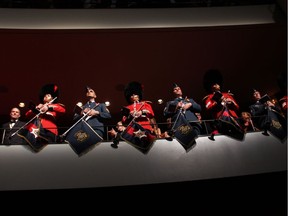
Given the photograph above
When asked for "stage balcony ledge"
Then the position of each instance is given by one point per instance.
(57, 166)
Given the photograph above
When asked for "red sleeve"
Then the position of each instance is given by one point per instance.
(209, 103)
(148, 107)
(58, 108)
(232, 106)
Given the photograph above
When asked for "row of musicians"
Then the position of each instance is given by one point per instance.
(221, 105)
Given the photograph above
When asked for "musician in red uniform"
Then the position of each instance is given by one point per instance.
(225, 105)
(138, 111)
(222, 106)
(50, 111)
(141, 111)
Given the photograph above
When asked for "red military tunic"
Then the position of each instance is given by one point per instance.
(218, 109)
(49, 118)
(144, 119)
(225, 109)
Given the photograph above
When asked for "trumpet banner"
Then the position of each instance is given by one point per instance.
(184, 132)
(35, 135)
(82, 138)
(137, 136)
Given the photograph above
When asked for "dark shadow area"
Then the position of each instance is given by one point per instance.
(93, 4)
(261, 194)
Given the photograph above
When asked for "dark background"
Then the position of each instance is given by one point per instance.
(251, 56)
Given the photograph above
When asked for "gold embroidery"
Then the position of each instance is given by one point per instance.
(276, 124)
(81, 136)
(184, 129)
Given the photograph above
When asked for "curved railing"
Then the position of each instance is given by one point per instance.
(207, 128)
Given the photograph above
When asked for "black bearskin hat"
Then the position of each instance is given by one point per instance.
(51, 89)
(212, 77)
(133, 88)
(175, 85)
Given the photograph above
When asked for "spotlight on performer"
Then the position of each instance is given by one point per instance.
(160, 101)
(21, 104)
(107, 103)
(80, 104)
